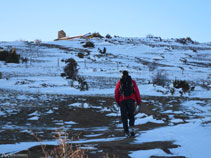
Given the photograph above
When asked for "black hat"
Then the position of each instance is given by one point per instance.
(125, 73)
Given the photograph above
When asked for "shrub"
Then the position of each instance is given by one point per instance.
(80, 55)
(64, 149)
(194, 50)
(160, 78)
(96, 34)
(89, 45)
(71, 72)
(185, 40)
(82, 84)
(13, 57)
(102, 51)
(3, 55)
(24, 59)
(188, 39)
(181, 40)
(0, 75)
(10, 57)
(63, 74)
(78, 83)
(71, 69)
(108, 36)
(182, 84)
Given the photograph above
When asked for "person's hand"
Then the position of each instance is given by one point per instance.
(116, 107)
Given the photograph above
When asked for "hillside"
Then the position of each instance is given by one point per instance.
(173, 75)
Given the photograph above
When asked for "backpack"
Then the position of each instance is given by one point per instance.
(126, 86)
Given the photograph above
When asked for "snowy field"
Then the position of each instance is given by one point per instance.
(34, 95)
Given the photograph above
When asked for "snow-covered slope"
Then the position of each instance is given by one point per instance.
(35, 96)
(144, 58)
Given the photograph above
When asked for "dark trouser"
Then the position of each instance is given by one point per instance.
(127, 108)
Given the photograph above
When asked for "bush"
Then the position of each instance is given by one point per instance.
(71, 72)
(71, 69)
(185, 40)
(102, 51)
(13, 57)
(89, 45)
(24, 59)
(108, 36)
(160, 78)
(0, 75)
(181, 40)
(79, 83)
(80, 55)
(194, 50)
(82, 84)
(182, 84)
(64, 149)
(154, 37)
(96, 34)
(10, 57)
(188, 39)
(3, 55)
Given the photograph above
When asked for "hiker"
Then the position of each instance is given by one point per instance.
(127, 97)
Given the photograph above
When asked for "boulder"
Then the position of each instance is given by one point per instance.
(61, 34)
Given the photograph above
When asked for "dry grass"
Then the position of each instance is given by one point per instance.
(64, 149)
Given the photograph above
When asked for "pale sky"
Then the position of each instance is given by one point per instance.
(42, 19)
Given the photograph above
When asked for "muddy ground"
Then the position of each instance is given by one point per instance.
(93, 120)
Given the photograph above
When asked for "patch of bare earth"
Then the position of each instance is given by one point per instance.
(92, 125)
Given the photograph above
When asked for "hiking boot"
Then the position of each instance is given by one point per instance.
(126, 133)
(132, 131)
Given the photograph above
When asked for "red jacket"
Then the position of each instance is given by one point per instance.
(135, 96)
